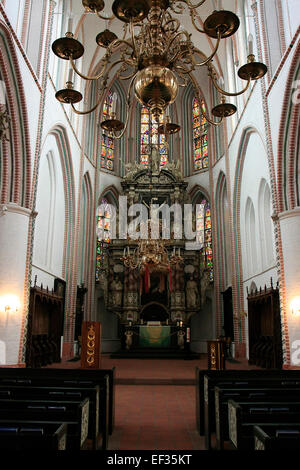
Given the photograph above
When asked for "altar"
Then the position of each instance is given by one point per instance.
(168, 337)
(154, 336)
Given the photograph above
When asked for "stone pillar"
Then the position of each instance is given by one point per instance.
(290, 294)
(14, 222)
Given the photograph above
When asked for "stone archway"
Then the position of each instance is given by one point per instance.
(154, 311)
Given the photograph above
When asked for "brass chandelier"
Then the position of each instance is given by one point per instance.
(152, 256)
(157, 55)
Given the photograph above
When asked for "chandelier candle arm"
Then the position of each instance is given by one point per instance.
(214, 123)
(208, 59)
(191, 6)
(104, 17)
(223, 92)
(193, 15)
(128, 104)
(135, 50)
(88, 77)
(82, 113)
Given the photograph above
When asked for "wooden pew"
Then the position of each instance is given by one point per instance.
(75, 415)
(71, 394)
(222, 395)
(206, 380)
(242, 416)
(29, 437)
(276, 437)
(80, 375)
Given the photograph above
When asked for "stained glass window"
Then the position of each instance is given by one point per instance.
(203, 229)
(150, 135)
(200, 136)
(103, 235)
(107, 141)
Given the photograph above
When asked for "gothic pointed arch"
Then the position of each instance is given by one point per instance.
(15, 161)
(289, 141)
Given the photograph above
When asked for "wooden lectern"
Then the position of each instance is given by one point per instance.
(91, 345)
(216, 354)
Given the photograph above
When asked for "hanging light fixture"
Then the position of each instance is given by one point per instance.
(156, 55)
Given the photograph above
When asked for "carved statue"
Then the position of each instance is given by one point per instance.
(130, 170)
(205, 281)
(180, 338)
(117, 289)
(128, 341)
(191, 293)
(155, 158)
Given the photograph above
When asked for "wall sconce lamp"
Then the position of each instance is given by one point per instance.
(295, 306)
(9, 304)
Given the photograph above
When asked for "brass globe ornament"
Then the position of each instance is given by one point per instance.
(156, 87)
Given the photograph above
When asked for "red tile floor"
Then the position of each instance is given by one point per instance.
(155, 403)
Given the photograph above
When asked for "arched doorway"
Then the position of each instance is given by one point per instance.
(154, 311)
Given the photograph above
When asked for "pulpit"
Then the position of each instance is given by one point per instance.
(216, 354)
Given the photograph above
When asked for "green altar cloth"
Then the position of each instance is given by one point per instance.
(154, 336)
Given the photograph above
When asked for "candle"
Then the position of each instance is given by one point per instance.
(180, 324)
(114, 103)
(124, 252)
(250, 44)
(2, 92)
(128, 250)
(188, 335)
(70, 25)
(70, 77)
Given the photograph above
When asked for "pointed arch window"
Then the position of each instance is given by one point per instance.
(200, 135)
(107, 141)
(103, 238)
(150, 136)
(204, 235)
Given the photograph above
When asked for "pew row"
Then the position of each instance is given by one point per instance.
(276, 437)
(206, 380)
(243, 416)
(29, 437)
(79, 375)
(97, 426)
(75, 415)
(222, 395)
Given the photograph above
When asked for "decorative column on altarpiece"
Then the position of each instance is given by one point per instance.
(131, 295)
(177, 293)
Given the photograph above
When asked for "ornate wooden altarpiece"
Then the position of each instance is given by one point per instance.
(124, 290)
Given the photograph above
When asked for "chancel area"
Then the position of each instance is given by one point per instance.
(149, 208)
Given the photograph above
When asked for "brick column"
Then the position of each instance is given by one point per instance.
(290, 259)
(14, 222)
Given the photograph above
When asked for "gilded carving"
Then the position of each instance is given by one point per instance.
(217, 408)
(258, 444)
(62, 444)
(84, 423)
(232, 424)
(90, 352)
(206, 389)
